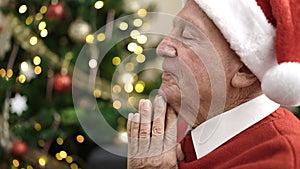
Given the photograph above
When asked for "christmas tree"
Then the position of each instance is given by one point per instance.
(40, 45)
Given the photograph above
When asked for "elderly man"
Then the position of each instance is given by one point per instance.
(224, 78)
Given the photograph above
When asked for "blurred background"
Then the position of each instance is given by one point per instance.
(40, 41)
(39, 45)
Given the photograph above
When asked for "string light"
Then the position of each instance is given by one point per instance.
(89, 39)
(42, 25)
(58, 157)
(2, 73)
(138, 22)
(41, 143)
(43, 9)
(128, 88)
(22, 9)
(123, 26)
(63, 154)
(117, 104)
(44, 33)
(142, 13)
(93, 63)
(142, 39)
(38, 16)
(134, 34)
(140, 58)
(36, 60)
(117, 89)
(42, 161)
(15, 163)
(69, 159)
(101, 37)
(99, 4)
(38, 70)
(29, 167)
(138, 50)
(29, 20)
(116, 61)
(132, 100)
(139, 87)
(129, 67)
(123, 137)
(37, 127)
(59, 141)
(74, 166)
(80, 139)
(24, 66)
(97, 93)
(22, 79)
(9, 73)
(132, 46)
(33, 40)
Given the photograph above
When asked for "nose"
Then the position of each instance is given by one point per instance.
(167, 48)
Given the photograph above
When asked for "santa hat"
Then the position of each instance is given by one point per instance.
(266, 36)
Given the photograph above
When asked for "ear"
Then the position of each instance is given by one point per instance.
(243, 78)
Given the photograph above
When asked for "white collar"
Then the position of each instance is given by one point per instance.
(216, 131)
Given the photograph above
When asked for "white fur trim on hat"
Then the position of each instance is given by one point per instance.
(282, 84)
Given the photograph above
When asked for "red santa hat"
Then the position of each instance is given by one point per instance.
(266, 36)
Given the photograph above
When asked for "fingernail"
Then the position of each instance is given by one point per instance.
(130, 116)
(136, 117)
(147, 105)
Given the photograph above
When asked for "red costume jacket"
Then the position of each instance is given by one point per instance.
(272, 143)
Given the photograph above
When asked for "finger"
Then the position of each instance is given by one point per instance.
(158, 126)
(129, 122)
(145, 126)
(170, 137)
(134, 133)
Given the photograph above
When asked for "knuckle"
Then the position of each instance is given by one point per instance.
(144, 133)
(157, 131)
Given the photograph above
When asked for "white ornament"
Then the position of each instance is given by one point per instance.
(78, 30)
(18, 104)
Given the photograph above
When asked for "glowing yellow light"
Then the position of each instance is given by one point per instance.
(101, 37)
(22, 9)
(41, 143)
(89, 39)
(15, 163)
(97, 93)
(99, 4)
(131, 100)
(42, 25)
(38, 70)
(139, 88)
(43, 9)
(93, 63)
(123, 26)
(29, 20)
(44, 33)
(128, 88)
(9, 73)
(74, 166)
(2, 72)
(42, 161)
(117, 89)
(138, 50)
(36, 60)
(127, 78)
(69, 159)
(80, 139)
(117, 104)
(29, 167)
(63, 154)
(129, 67)
(123, 137)
(138, 22)
(134, 34)
(140, 58)
(132, 46)
(116, 61)
(59, 141)
(24, 66)
(38, 16)
(142, 12)
(33, 40)
(37, 127)
(58, 157)
(142, 39)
